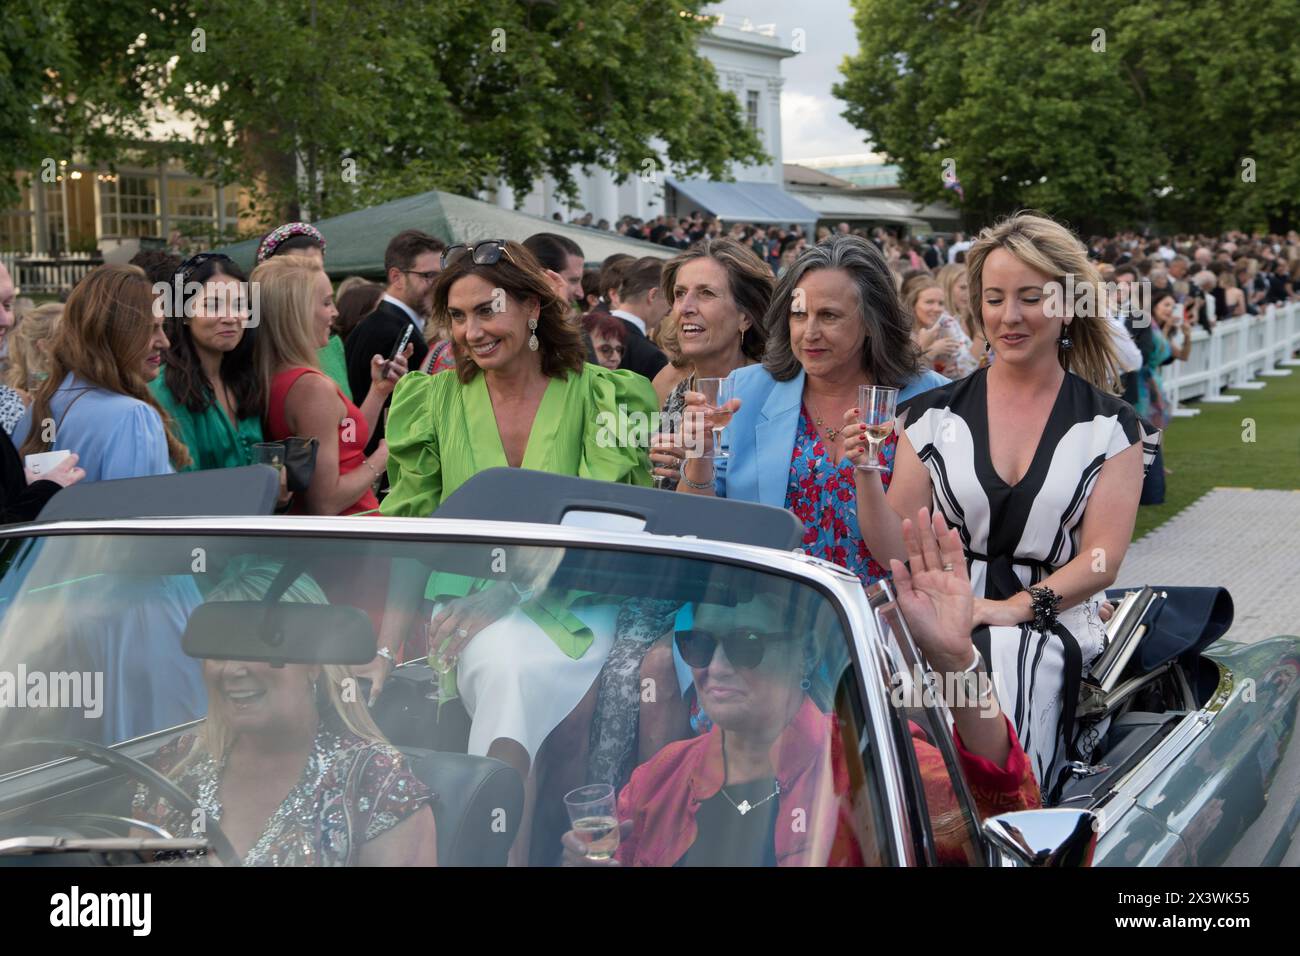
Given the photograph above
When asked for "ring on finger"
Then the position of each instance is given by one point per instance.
(947, 567)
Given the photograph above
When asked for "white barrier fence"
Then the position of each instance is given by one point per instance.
(1238, 351)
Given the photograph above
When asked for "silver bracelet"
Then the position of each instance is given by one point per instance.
(384, 652)
(697, 485)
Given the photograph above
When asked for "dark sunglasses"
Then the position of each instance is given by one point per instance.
(744, 646)
(485, 253)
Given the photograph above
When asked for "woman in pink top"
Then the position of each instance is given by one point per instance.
(297, 309)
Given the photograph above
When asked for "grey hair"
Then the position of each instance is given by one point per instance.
(889, 356)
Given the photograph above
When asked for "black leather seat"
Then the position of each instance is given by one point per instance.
(478, 804)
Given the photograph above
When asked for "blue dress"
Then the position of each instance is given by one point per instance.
(114, 435)
(123, 624)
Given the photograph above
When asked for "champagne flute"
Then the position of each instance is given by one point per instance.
(594, 820)
(440, 686)
(717, 392)
(877, 405)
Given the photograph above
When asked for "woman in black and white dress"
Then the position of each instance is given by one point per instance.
(1039, 467)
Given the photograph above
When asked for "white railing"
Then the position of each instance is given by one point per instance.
(44, 275)
(1238, 351)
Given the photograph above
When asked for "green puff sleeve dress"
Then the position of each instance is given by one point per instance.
(442, 432)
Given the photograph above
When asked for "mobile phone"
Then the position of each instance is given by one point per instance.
(44, 462)
(400, 346)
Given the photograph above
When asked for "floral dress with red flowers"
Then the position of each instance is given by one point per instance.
(823, 496)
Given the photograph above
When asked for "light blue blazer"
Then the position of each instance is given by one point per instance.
(762, 433)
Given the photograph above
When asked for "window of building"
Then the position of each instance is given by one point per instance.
(751, 108)
(16, 224)
(129, 205)
(191, 206)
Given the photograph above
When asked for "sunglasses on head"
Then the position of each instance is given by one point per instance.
(744, 646)
(485, 253)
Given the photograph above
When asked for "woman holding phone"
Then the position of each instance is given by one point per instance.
(297, 304)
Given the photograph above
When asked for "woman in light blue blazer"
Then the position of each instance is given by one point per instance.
(835, 323)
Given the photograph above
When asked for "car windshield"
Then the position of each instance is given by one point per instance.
(584, 704)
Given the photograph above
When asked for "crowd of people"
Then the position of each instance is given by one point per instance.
(1027, 428)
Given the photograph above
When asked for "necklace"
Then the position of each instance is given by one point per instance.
(830, 431)
(744, 806)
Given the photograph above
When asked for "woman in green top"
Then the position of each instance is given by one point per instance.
(209, 385)
(523, 396)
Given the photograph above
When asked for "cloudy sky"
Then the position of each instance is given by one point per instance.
(811, 124)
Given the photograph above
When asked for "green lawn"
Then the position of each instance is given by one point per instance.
(1208, 451)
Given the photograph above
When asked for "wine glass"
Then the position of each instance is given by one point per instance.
(877, 405)
(594, 819)
(440, 688)
(716, 392)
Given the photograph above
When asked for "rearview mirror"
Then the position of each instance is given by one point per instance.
(1051, 838)
(284, 633)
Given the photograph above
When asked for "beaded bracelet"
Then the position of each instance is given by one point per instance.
(1045, 604)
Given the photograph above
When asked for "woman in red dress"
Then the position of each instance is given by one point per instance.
(297, 310)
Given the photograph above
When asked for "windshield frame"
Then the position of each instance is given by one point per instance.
(849, 598)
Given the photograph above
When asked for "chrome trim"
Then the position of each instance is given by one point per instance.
(873, 660)
(1126, 791)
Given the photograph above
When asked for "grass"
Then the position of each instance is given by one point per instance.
(1211, 450)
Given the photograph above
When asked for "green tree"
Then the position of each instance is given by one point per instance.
(1106, 114)
(325, 106)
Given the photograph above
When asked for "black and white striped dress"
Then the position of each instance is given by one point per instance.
(1015, 536)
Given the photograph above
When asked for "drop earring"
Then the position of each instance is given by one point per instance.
(532, 338)
(1065, 342)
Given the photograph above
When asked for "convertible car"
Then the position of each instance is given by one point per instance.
(115, 604)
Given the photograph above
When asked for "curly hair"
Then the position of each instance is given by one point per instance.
(520, 276)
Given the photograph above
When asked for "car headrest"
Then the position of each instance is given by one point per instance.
(516, 494)
(219, 492)
(1181, 621)
(478, 805)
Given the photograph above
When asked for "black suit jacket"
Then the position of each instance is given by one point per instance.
(640, 354)
(376, 334)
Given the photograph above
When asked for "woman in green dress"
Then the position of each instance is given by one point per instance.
(522, 396)
(209, 385)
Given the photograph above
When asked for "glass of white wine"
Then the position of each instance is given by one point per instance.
(877, 406)
(594, 820)
(717, 392)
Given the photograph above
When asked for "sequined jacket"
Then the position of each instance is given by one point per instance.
(351, 791)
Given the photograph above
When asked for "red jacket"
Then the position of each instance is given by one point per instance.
(817, 824)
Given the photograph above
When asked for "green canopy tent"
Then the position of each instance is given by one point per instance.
(356, 240)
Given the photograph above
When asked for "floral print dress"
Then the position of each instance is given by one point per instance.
(823, 496)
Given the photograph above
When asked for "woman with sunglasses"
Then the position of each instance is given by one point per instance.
(209, 384)
(772, 754)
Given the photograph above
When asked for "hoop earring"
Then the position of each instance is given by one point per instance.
(532, 339)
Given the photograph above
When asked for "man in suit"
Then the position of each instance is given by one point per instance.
(642, 307)
(412, 262)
